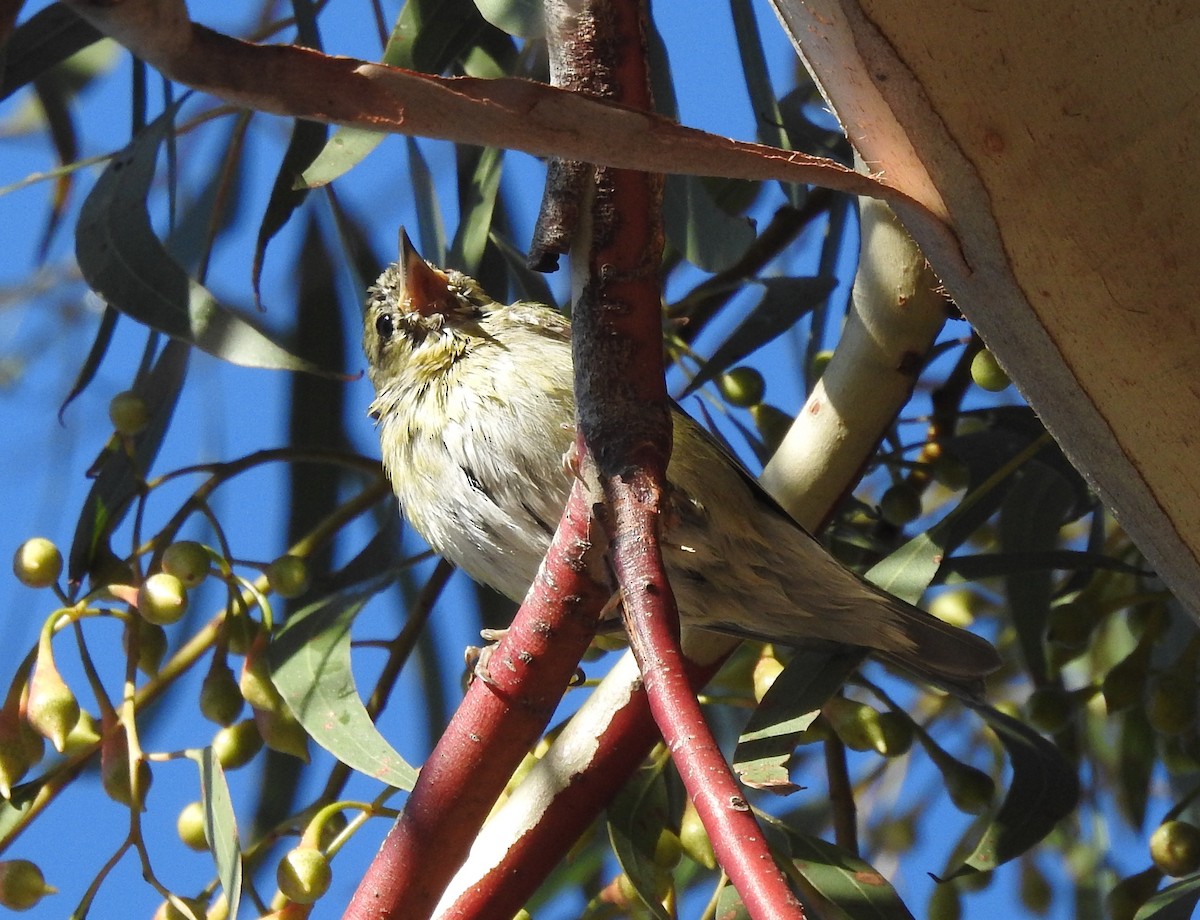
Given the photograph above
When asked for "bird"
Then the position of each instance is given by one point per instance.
(475, 411)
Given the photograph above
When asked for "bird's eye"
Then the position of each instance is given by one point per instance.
(384, 326)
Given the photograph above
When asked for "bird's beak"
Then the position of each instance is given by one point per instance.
(427, 288)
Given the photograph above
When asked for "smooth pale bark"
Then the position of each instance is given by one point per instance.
(1060, 141)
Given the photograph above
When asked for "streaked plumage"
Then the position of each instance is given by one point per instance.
(475, 412)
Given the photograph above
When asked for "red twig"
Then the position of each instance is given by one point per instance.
(497, 723)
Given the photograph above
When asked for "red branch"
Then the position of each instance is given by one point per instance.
(497, 723)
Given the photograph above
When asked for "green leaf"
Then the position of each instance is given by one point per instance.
(476, 205)
(977, 566)
(310, 666)
(784, 302)
(706, 235)
(220, 827)
(1043, 791)
(522, 18)
(765, 747)
(636, 816)
(431, 229)
(830, 877)
(429, 35)
(126, 264)
(1036, 507)
(288, 192)
(91, 364)
(1136, 759)
(1175, 902)
(119, 475)
(46, 39)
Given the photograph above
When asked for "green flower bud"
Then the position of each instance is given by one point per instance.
(190, 826)
(51, 708)
(220, 697)
(742, 386)
(128, 413)
(288, 576)
(188, 561)
(162, 599)
(900, 505)
(987, 372)
(37, 563)
(1175, 848)
(236, 745)
(303, 875)
(22, 884)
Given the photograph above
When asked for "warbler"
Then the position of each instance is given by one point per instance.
(475, 412)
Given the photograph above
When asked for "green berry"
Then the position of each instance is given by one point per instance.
(987, 372)
(742, 386)
(37, 563)
(900, 505)
(1175, 848)
(970, 790)
(288, 576)
(220, 697)
(22, 884)
(1171, 706)
(129, 413)
(236, 745)
(162, 599)
(190, 826)
(188, 561)
(1050, 709)
(303, 875)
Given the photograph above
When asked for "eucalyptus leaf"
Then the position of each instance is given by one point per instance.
(126, 264)
(220, 828)
(43, 41)
(707, 236)
(523, 18)
(1044, 790)
(766, 744)
(119, 473)
(635, 818)
(784, 302)
(428, 36)
(1175, 902)
(310, 666)
(830, 877)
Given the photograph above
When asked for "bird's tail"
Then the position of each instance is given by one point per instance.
(950, 657)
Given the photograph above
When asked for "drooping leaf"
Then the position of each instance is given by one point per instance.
(707, 236)
(1136, 760)
(636, 816)
(46, 39)
(836, 882)
(288, 193)
(477, 202)
(784, 302)
(220, 828)
(1034, 511)
(310, 666)
(977, 566)
(789, 707)
(1044, 790)
(119, 474)
(91, 364)
(523, 18)
(428, 36)
(126, 264)
(1175, 902)
(431, 228)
